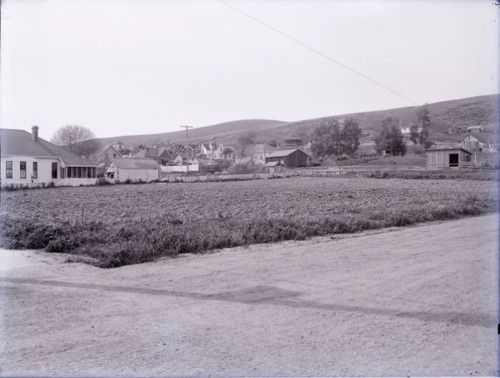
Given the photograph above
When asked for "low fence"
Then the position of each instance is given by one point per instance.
(179, 168)
(225, 177)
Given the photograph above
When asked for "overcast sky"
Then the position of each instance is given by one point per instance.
(148, 66)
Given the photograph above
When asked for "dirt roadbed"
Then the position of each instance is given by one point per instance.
(411, 301)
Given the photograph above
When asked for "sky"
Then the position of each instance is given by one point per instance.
(127, 67)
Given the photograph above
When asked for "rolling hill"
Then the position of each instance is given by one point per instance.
(481, 110)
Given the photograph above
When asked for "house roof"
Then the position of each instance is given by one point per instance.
(135, 163)
(487, 139)
(168, 154)
(448, 149)
(150, 152)
(284, 153)
(20, 143)
(94, 156)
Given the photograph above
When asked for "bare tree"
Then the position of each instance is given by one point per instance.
(77, 139)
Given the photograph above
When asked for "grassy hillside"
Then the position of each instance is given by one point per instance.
(221, 131)
(481, 110)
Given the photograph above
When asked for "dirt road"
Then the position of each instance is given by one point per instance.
(412, 301)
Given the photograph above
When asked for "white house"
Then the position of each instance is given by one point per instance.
(134, 169)
(26, 159)
(215, 151)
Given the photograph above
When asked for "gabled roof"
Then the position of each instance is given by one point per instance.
(169, 154)
(149, 152)
(94, 156)
(21, 143)
(483, 138)
(135, 163)
(284, 153)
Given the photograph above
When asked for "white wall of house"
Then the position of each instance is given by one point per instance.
(44, 175)
(135, 174)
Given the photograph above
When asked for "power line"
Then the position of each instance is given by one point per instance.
(320, 53)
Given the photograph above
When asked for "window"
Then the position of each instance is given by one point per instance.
(54, 170)
(8, 170)
(22, 169)
(35, 170)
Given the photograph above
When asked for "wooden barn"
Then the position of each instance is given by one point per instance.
(289, 158)
(442, 158)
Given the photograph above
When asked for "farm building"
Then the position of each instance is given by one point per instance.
(274, 166)
(134, 169)
(475, 129)
(289, 158)
(441, 158)
(478, 143)
(26, 159)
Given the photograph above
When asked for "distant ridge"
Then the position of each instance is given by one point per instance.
(197, 134)
(471, 111)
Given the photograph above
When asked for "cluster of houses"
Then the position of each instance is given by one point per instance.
(28, 160)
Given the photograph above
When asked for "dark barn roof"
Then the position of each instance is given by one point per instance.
(284, 153)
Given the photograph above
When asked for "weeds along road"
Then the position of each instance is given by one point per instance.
(411, 301)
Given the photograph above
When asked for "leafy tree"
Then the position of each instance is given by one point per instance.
(423, 116)
(423, 121)
(390, 138)
(227, 151)
(414, 134)
(246, 139)
(77, 139)
(325, 138)
(330, 139)
(424, 137)
(349, 136)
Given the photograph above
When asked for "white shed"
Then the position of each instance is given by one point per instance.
(134, 169)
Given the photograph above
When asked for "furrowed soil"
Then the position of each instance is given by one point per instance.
(406, 301)
(120, 225)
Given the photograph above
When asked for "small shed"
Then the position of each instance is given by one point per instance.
(442, 158)
(274, 167)
(134, 169)
(289, 158)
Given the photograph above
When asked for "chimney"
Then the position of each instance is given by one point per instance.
(34, 130)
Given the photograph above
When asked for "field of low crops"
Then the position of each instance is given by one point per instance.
(124, 224)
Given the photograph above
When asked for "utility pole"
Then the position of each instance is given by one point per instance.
(187, 146)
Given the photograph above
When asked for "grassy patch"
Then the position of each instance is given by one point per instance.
(124, 225)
